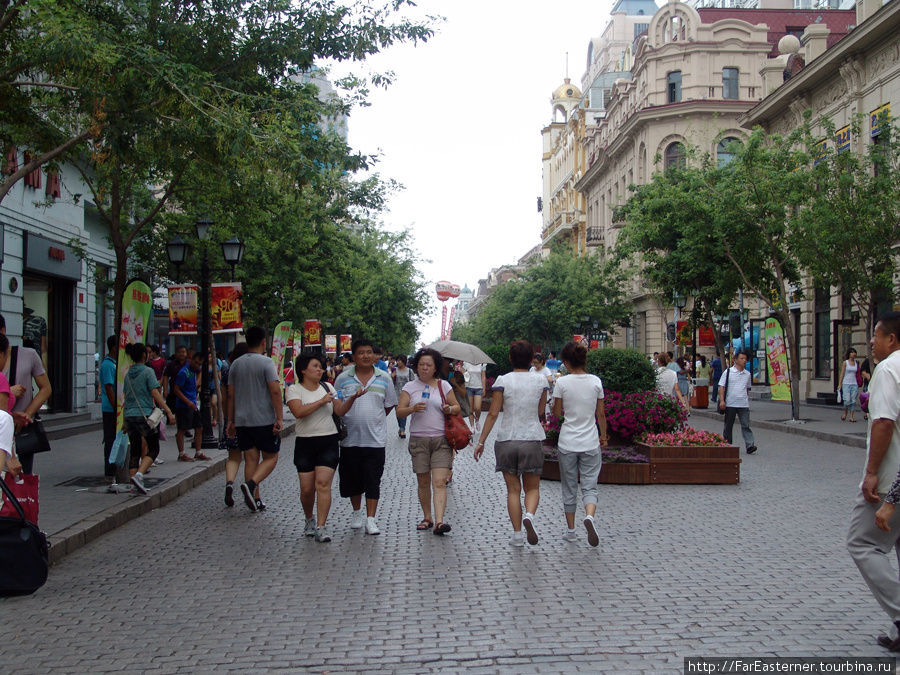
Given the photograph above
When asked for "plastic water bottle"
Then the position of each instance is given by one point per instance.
(427, 393)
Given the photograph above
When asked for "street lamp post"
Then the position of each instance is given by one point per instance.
(233, 252)
(679, 301)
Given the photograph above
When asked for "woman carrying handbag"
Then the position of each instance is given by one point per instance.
(142, 400)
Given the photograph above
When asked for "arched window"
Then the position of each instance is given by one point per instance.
(725, 151)
(674, 156)
(559, 114)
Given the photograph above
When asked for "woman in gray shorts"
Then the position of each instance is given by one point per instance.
(522, 396)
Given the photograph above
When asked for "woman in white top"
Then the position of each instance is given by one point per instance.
(667, 379)
(522, 396)
(849, 383)
(401, 375)
(579, 397)
(432, 456)
(316, 450)
(475, 385)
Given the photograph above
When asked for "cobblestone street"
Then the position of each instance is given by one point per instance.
(757, 569)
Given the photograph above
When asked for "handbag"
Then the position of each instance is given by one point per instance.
(24, 551)
(339, 425)
(25, 488)
(724, 394)
(119, 450)
(155, 417)
(31, 438)
(455, 428)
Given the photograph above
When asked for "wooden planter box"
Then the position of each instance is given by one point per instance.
(693, 465)
(610, 473)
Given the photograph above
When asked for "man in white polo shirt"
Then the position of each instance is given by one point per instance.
(874, 536)
(735, 382)
(366, 395)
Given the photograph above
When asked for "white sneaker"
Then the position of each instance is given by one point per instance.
(138, 481)
(372, 526)
(322, 535)
(357, 520)
(570, 535)
(518, 539)
(309, 528)
(158, 461)
(593, 538)
(528, 524)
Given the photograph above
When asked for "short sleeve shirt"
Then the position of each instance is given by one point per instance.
(186, 380)
(665, 381)
(430, 422)
(884, 403)
(579, 393)
(28, 367)
(739, 382)
(474, 370)
(366, 420)
(250, 376)
(521, 396)
(4, 389)
(317, 423)
(140, 381)
(107, 376)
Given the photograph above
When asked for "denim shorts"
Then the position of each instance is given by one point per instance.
(474, 392)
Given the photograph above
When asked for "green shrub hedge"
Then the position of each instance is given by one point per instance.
(623, 370)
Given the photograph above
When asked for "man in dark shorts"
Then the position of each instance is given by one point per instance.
(255, 414)
(187, 412)
(170, 372)
(368, 395)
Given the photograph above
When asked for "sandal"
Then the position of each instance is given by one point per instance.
(200, 457)
(185, 458)
(441, 528)
(425, 524)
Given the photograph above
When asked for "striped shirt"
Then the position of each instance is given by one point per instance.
(366, 420)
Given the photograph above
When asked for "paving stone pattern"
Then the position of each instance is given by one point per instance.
(754, 569)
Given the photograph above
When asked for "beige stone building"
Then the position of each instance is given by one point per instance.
(860, 75)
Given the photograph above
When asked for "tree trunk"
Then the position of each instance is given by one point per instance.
(784, 315)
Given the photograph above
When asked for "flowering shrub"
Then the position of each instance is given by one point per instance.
(624, 455)
(687, 436)
(631, 415)
(552, 424)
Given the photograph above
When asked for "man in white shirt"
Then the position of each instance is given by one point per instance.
(735, 382)
(874, 536)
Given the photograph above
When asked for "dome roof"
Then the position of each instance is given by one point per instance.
(567, 90)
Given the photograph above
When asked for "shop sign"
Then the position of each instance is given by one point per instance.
(877, 118)
(842, 139)
(51, 257)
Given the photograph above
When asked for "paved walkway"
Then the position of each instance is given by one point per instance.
(755, 569)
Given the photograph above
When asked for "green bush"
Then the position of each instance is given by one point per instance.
(500, 354)
(623, 370)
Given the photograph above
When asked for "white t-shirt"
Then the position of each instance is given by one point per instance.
(884, 403)
(474, 370)
(430, 422)
(738, 384)
(521, 396)
(319, 422)
(579, 393)
(665, 381)
(545, 371)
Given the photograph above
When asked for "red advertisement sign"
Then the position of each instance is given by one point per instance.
(346, 343)
(706, 336)
(312, 333)
(683, 333)
(183, 302)
(225, 307)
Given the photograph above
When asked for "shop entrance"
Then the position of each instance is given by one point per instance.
(48, 327)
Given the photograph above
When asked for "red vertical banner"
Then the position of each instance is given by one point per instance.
(312, 333)
(450, 322)
(443, 322)
(706, 336)
(346, 342)
(683, 333)
(183, 302)
(225, 307)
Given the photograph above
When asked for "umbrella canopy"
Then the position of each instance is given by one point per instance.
(461, 351)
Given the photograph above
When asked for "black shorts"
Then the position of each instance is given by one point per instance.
(258, 438)
(360, 471)
(313, 451)
(187, 419)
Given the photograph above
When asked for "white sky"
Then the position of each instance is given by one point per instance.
(460, 128)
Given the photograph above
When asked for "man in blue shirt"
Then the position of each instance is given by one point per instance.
(187, 411)
(107, 405)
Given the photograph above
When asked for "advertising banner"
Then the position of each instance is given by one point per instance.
(225, 308)
(137, 306)
(776, 355)
(312, 333)
(582, 339)
(297, 338)
(450, 322)
(444, 322)
(346, 342)
(331, 344)
(183, 303)
(281, 342)
(683, 333)
(706, 336)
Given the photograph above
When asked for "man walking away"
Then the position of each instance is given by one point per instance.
(255, 414)
(874, 535)
(735, 385)
(368, 396)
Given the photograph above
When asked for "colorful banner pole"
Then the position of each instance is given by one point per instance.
(776, 356)
(443, 322)
(281, 341)
(450, 322)
(137, 306)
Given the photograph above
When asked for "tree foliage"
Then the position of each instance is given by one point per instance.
(547, 301)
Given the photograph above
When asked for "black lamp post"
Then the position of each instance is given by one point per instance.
(233, 252)
(679, 301)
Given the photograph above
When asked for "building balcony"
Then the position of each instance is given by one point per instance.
(594, 236)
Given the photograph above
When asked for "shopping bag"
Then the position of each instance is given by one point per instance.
(25, 490)
(24, 551)
(119, 451)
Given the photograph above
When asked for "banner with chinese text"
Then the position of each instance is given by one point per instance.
(137, 306)
(346, 342)
(225, 303)
(776, 355)
(281, 342)
(331, 344)
(183, 303)
(706, 336)
(312, 333)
